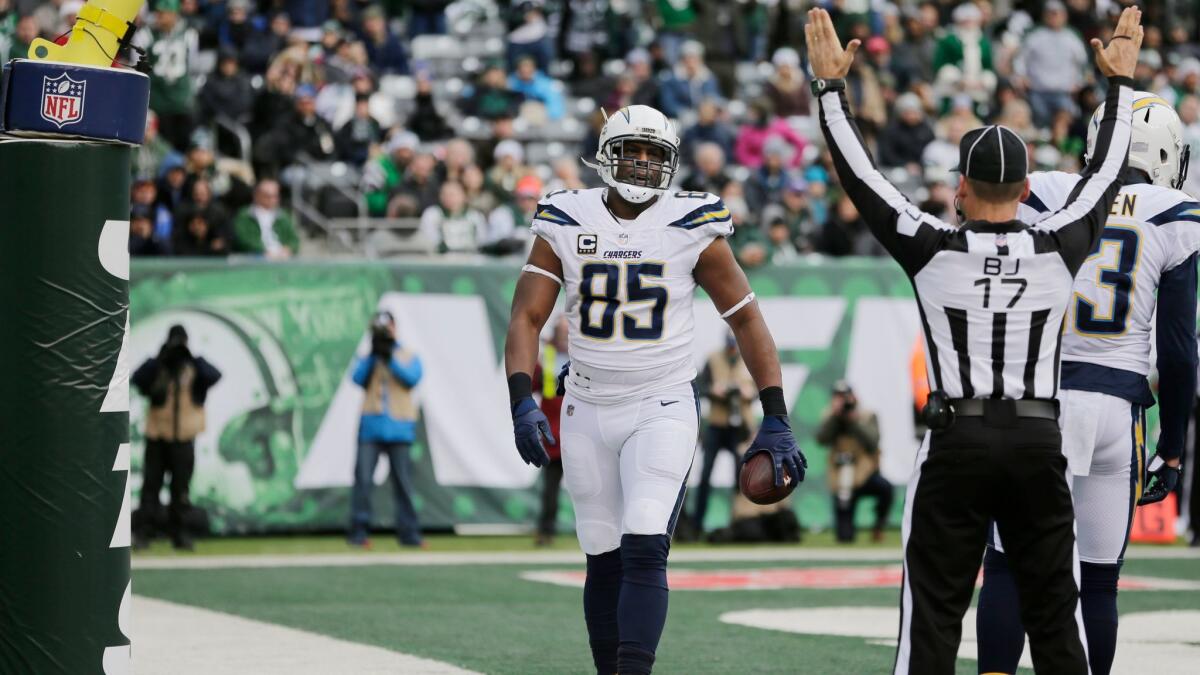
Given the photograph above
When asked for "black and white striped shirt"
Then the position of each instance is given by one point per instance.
(991, 295)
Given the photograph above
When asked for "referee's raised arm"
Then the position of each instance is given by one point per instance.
(910, 235)
(1080, 222)
(991, 294)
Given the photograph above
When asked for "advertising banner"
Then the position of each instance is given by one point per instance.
(278, 453)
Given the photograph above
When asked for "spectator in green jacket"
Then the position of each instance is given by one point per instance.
(490, 97)
(962, 60)
(387, 172)
(171, 47)
(677, 19)
(264, 228)
(748, 241)
(153, 152)
(25, 32)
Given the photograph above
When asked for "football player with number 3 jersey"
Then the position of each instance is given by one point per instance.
(1145, 261)
(630, 257)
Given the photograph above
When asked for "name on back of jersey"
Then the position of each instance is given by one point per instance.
(1125, 205)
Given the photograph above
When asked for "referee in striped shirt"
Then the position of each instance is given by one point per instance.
(992, 294)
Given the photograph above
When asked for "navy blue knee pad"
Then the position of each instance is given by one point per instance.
(1098, 599)
(601, 593)
(998, 619)
(643, 606)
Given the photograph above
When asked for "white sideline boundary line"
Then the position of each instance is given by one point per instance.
(183, 640)
(500, 558)
(766, 554)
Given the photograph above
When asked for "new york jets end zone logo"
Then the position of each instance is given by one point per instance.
(587, 244)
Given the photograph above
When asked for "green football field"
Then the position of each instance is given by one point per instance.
(493, 605)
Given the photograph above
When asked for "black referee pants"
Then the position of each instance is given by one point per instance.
(982, 468)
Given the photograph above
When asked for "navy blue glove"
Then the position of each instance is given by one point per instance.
(1168, 477)
(561, 390)
(529, 425)
(775, 436)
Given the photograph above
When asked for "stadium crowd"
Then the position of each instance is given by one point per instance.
(463, 114)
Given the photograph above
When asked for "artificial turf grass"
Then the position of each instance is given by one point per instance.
(383, 542)
(485, 618)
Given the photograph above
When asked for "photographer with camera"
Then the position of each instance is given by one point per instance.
(730, 390)
(388, 426)
(852, 436)
(177, 384)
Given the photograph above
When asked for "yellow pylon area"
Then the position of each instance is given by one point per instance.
(95, 36)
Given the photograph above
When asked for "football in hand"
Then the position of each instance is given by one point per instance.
(757, 480)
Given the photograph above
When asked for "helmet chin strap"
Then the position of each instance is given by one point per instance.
(1185, 160)
(634, 194)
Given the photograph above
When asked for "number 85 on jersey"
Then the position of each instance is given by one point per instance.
(628, 298)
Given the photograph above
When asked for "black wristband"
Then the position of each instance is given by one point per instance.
(772, 401)
(820, 86)
(520, 385)
(1121, 80)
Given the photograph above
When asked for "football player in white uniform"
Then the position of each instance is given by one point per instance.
(1146, 259)
(629, 258)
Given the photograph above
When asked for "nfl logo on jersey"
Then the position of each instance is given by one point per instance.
(587, 244)
(62, 100)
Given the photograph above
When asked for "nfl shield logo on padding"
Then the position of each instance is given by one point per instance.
(62, 100)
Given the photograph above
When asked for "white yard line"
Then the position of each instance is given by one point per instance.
(1162, 642)
(506, 558)
(767, 554)
(183, 640)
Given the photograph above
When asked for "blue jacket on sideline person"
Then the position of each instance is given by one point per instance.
(389, 412)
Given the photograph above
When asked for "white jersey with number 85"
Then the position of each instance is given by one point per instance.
(629, 286)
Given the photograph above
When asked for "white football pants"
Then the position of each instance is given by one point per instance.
(625, 464)
(1104, 439)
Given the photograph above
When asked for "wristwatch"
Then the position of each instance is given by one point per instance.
(820, 86)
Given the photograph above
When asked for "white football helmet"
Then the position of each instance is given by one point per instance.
(637, 123)
(1157, 145)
